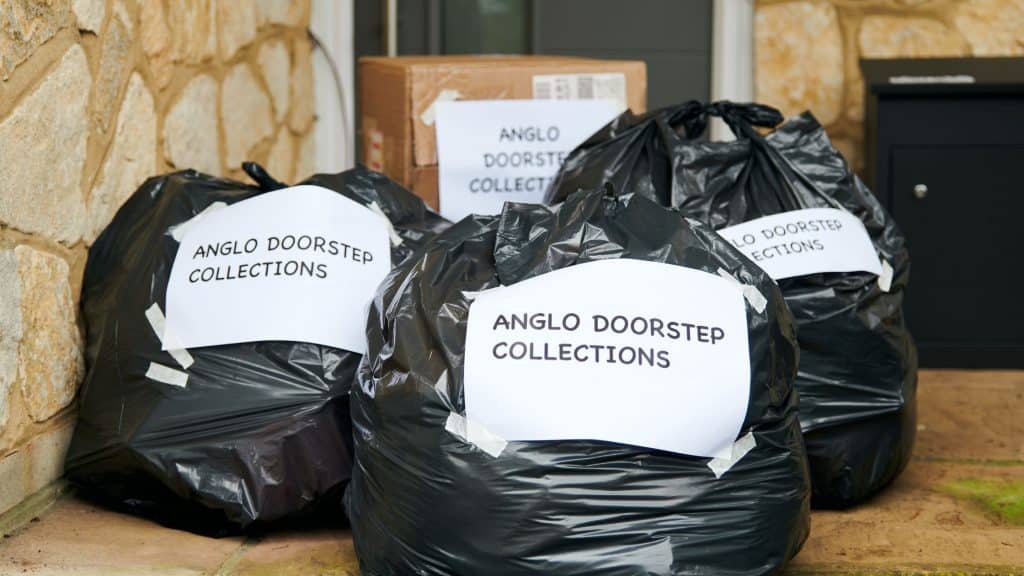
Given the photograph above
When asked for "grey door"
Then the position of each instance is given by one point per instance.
(672, 36)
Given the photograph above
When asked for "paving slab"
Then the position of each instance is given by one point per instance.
(919, 525)
(322, 552)
(970, 415)
(80, 539)
(958, 509)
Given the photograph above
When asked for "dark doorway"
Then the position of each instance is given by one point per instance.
(672, 36)
(945, 151)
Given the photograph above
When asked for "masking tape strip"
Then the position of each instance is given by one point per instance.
(475, 434)
(178, 230)
(159, 325)
(738, 450)
(428, 115)
(167, 375)
(396, 240)
(885, 278)
(751, 293)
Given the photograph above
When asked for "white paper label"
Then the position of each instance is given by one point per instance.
(299, 264)
(495, 151)
(610, 86)
(625, 351)
(806, 242)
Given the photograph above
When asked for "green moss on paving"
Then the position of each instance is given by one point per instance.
(1003, 499)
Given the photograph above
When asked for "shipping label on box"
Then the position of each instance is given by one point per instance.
(581, 87)
(496, 151)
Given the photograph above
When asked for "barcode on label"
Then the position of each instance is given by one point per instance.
(586, 87)
(581, 87)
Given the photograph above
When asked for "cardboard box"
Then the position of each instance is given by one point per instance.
(396, 97)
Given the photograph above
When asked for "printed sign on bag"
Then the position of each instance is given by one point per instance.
(620, 350)
(298, 264)
(496, 151)
(805, 242)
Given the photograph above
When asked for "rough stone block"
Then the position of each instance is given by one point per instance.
(799, 58)
(194, 29)
(42, 152)
(26, 25)
(302, 103)
(190, 128)
(237, 24)
(275, 66)
(114, 69)
(281, 159)
(899, 37)
(245, 114)
(131, 159)
(50, 363)
(992, 27)
(89, 14)
(10, 331)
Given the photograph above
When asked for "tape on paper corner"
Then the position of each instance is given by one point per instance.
(430, 114)
(885, 277)
(167, 375)
(178, 230)
(754, 297)
(737, 451)
(396, 240)
(159, 325)
(475, 433)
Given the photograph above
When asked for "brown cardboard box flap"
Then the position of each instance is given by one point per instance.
(416, 82)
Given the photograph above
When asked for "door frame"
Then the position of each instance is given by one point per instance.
(732, 56)
(334, 130)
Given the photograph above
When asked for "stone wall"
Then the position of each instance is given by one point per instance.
(807, 52)
(96, 96)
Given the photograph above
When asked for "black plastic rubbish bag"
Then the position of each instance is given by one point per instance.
(262, 431)
(858, 364)
(423, 501)
(632, 153)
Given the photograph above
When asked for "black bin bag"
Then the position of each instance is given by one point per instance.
(858, 364)
(261, 431)
(425, 500)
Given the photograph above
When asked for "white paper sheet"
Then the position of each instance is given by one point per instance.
(297, 264)
(496, 151)
(805, 242)
(556, 378)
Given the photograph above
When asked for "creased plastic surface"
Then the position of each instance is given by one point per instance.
(261, 430)
(424, 501)
(858, 364)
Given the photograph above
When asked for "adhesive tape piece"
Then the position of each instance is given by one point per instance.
(885, 278)
(178, 230)
(167, 375)
(396, 240)
(754, 297)
(156, 321)
(474, 433)
(738, 450)
(428, 115)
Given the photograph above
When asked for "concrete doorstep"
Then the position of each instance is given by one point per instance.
(958, 509)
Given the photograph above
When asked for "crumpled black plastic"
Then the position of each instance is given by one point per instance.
(858, 364)
(262, 431)
(422, 501)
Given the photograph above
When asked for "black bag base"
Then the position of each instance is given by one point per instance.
(260, 437)
(166, 509)
(851, 463)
